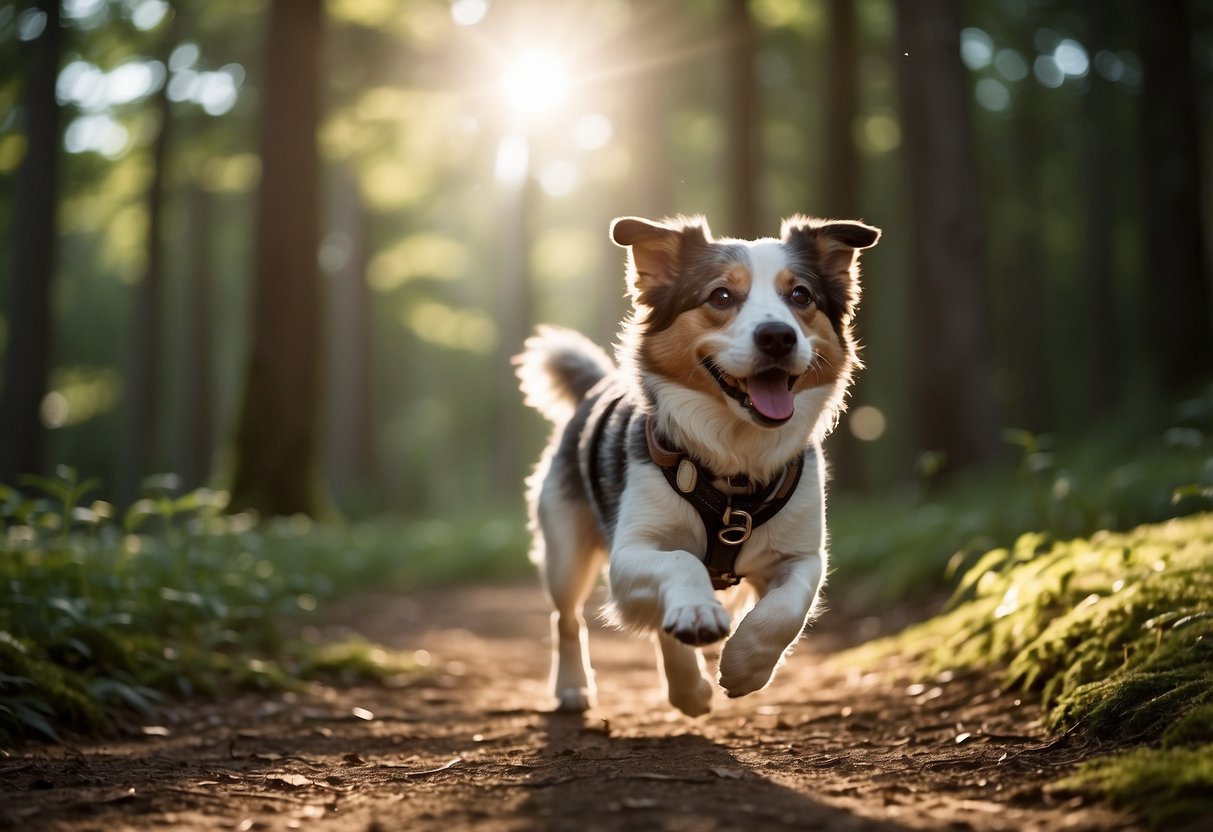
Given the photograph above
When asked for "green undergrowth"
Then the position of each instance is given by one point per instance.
(1139, 468)
(1116, 632)
(1169, 787)
(103, 617)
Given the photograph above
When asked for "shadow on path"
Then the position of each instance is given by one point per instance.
(584, 779)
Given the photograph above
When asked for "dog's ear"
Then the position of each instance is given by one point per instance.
(657, 251)
(831, 249)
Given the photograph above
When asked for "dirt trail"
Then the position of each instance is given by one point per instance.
(468, 747)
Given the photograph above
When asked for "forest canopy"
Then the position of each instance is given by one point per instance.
(1038, 167)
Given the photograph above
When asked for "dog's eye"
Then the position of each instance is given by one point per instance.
(721, 298)
(800, 296)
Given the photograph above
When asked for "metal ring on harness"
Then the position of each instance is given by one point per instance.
(737, 533)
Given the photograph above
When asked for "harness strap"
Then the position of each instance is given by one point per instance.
(728, 519)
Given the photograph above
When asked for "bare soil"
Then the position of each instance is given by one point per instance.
(471, 746)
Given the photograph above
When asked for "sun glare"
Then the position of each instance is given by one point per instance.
(535, 82)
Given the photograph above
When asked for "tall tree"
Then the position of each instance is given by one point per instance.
(27, 354)
(515, 310)
(277, 432)
(1104, 366)
(350, 459)
(1175, 246)
(142, 422)
(950, 350)
(742, 114)
(1034, 407)
(840, 173)
(652, 33)
(198, 392)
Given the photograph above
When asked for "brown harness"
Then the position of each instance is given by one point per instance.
(728, 519)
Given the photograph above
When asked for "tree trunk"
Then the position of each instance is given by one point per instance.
(351, 430)
(950, 351)
(1104, 366)
(840, 173)
(649, 190)
(276, 438)
(142, 416)
(1174, 230)
(35, 197)
(742, 122)
(515, 315)
(1026, 285)
(197, 424)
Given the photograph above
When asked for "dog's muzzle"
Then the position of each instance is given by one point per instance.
(766, 396)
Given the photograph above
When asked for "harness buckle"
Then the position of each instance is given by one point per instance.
(733, 533)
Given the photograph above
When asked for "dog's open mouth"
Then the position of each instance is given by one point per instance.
(766, 395)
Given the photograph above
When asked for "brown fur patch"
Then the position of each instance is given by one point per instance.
(834, 353)
(677, 351)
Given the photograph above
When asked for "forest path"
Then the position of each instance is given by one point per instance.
(468, 746)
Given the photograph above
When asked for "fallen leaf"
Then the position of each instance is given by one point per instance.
(294, 780)
(126, 794)
(423, 772)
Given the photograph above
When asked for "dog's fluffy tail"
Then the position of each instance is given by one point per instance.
(556, 368)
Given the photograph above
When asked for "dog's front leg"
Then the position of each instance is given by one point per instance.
(670, 590)
(686, 685)
(750, 657)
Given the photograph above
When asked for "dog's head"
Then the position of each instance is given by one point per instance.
(751, 324)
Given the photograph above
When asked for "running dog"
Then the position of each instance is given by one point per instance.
(695, 463)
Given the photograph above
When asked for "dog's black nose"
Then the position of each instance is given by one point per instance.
(775, 339)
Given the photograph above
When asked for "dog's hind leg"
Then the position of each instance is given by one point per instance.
(686, 685)
(572, 562)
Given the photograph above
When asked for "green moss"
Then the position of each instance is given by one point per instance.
(1115, 631)
(354, 659)
(1170, 787)
(1194, 728)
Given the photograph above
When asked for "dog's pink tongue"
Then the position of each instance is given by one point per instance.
(770, 394)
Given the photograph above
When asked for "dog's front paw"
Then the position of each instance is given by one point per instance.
(743, 673)
(694, 699)
(697, 624)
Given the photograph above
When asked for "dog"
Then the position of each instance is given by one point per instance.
(694, 463)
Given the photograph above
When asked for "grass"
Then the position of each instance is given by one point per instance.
(102, 616)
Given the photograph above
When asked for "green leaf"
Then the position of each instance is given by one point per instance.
(28, 716)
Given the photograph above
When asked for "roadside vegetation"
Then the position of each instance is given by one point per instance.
(1116, 632)
(1113, 628)
(1142, 467)
(102, 617)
